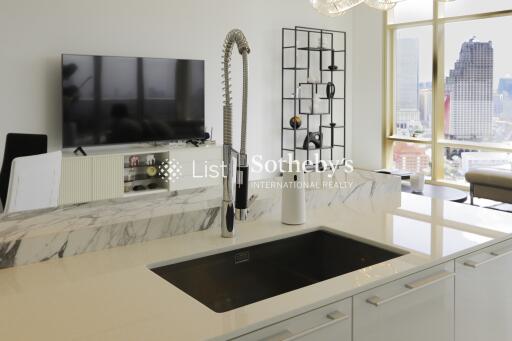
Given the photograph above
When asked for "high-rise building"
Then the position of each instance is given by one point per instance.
(505, 85)
(411, 157)
(469, 92)
(407, 76)
(407, 60)
(503, 99)
(426, 104)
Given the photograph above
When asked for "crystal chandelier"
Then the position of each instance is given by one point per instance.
(383, 5)
(333, 8)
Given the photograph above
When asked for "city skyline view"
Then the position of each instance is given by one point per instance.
(413, 99)
(478, 94)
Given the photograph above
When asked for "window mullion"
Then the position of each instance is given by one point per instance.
(438, 98)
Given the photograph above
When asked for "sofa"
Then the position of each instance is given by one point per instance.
(490, 183)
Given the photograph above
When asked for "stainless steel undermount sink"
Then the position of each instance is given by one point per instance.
(236, 278)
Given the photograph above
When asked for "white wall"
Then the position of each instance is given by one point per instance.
(35, 33)
(367, 99)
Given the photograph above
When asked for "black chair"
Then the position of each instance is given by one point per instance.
(17, 145)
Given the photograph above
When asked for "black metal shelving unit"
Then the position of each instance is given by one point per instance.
(327, 120)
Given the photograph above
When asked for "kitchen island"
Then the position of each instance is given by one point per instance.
(112, 294)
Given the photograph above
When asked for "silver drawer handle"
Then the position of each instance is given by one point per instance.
(286, 335)
(496, 255)
(414, 286)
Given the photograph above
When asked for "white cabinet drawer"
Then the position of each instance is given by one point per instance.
(419, 307)
(329, 323)
(483, 299)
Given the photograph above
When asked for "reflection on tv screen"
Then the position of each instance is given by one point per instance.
(109, 100)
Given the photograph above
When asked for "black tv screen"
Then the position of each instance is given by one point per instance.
(111, 100)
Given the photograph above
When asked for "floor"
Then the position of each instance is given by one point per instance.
(494, 205)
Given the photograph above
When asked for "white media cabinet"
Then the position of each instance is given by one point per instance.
(102, 174)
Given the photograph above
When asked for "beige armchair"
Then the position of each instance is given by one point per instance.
(490, 183)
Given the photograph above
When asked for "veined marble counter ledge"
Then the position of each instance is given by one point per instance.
(39, 236)
(111, 294)
(68, 231)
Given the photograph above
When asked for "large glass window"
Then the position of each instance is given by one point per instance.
(465, 7)
(410, 11)
(451, 100)
(457, 161)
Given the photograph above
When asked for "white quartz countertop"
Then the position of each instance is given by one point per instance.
(111, 294)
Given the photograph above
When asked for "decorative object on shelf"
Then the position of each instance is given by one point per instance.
(151, 171)
(330, 90)
(150, 160)
(310, 97)
(131, 174)
(293, 203)
(295, 122)
(134, 161)
(315, 138)
(153, 185)
(333, 66)
(334, 8)
(139, 188)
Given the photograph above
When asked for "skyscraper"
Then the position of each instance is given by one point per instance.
(407, 74)
(503, 98)
(505, 85)
(469, 92)
(425, 103)
(407, 60)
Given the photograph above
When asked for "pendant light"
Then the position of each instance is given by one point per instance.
(334, 8)
(383, 5)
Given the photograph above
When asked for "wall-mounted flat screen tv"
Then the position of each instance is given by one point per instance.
(113, 100)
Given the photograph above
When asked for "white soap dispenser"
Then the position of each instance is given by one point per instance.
(293, 203)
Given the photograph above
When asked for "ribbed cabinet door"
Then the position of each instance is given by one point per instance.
(76, 181)
(107, 172)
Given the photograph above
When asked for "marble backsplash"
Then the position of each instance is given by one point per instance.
(39, 236)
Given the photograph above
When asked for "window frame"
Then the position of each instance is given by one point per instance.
(438, 141)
